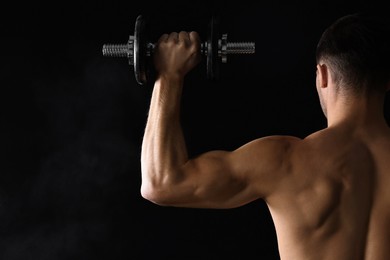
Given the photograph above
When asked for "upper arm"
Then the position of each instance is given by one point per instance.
(221, 179)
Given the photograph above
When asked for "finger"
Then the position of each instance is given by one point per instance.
(194, 39)
(184, 37)
(163, 38)
(174, 36)
(194, 36)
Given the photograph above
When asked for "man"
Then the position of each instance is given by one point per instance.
(328, 193)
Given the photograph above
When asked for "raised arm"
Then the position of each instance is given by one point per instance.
(217, 179)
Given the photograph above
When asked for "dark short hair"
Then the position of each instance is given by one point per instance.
(357, 49)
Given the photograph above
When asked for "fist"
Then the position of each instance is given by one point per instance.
(177, 53)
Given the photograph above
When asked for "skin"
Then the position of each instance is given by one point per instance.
(327, 193)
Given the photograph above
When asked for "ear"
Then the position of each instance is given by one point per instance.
(322, 76)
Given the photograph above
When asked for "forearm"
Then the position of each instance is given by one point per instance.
(163, 149)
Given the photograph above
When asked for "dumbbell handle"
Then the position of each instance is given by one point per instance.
(224, 48)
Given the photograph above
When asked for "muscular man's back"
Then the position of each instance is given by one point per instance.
(335, 203)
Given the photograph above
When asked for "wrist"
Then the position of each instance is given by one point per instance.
(170, 79)
(168, 89)
(167, 94)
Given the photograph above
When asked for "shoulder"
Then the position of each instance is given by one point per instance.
(266, 161)
(276, 145)
(278, 140)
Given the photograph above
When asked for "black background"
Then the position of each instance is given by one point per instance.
(72, 123)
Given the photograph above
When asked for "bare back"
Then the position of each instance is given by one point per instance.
(335, 203)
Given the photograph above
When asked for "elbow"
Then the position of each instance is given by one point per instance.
(154, 194)
(160, 187)
(148, 193)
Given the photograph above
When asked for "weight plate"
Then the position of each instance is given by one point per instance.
(140, 58)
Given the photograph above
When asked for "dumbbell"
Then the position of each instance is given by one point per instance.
(139, 49)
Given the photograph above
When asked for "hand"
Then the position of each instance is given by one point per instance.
(176, 54)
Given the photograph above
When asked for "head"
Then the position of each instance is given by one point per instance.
(354, 55)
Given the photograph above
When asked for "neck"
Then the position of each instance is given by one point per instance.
(366, 111)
